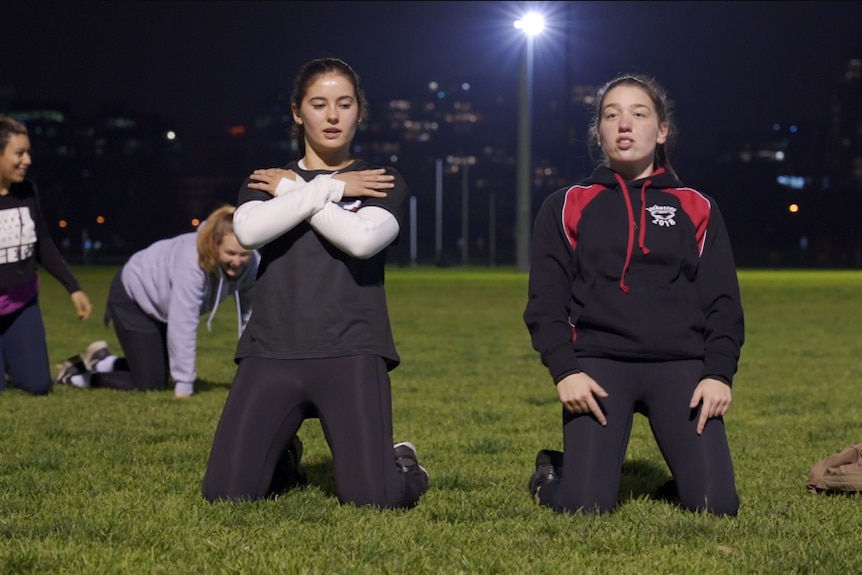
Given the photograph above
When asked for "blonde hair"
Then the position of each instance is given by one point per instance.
(217, 225)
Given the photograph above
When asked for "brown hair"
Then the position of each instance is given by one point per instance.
(659, 98)
(309, 72)
(8, 128)
(217, 225)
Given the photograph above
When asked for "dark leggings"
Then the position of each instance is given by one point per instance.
(24, 351)
(269, 399)
(593, 455)
(144, 343)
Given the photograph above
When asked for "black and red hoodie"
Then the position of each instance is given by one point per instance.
(633, 271)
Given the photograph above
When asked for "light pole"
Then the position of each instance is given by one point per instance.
(532, 23)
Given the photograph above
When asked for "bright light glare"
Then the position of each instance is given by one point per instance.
(532, 23)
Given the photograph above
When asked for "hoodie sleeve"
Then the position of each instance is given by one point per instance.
(718, 291)
(246, 291)
(188, 285)
(549, 296)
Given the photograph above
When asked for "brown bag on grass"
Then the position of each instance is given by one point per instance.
(841, 472)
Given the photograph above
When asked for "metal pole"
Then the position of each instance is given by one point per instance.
(492, 229)
(414, 255)
(524, 204)
(465, 214)
(438, 255)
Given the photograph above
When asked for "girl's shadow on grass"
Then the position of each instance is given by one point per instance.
(202, 385)
(639, 479)
(321, 475)
(646, 478)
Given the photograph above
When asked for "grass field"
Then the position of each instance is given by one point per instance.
(104, 482)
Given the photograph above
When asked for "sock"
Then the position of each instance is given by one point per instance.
(79, 380)
(105, 365)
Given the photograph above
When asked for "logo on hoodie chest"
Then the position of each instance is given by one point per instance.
(663, 215)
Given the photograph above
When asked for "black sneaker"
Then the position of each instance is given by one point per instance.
(548, 466)
(288, 472)
(70, 368)
(407, 459)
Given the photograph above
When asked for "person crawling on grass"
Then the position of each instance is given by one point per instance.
(634, 306)
(320, 339)
(26, 244)
(156, 301)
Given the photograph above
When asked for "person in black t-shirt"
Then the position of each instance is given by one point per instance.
(319, 341)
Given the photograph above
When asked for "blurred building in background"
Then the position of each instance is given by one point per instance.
(119, 180)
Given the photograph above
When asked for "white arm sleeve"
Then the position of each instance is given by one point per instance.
(256, 223)
(360, 234)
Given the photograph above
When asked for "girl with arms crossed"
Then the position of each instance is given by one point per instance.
(319, 341)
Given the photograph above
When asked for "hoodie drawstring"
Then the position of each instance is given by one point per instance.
(238, 313)
(631, 220)
(217, 296)
(642, 235)
(215, 303)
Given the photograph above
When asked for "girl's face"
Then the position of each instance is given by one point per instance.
(329, 114)
(629, 130)
(232, 257)
(14, 160)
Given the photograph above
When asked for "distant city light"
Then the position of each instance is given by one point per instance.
(792, 182)
(793, 208)
(100, 219)
(196, 222)
(63, 223)
(171, 135)
(532, 23)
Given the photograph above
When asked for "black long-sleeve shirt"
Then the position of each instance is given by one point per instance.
(639, 271)
(25, 241)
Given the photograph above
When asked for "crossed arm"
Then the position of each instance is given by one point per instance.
(362, 233)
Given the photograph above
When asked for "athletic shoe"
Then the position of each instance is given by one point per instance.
(288, 472)
(96, 352)
(549, 463)
(70, 368)
(407, 459)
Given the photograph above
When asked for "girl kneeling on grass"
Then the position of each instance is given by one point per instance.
(156, 301)
(634, 306)
(26, 242)
(320, 339)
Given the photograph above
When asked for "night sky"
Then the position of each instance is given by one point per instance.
(729, 65)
